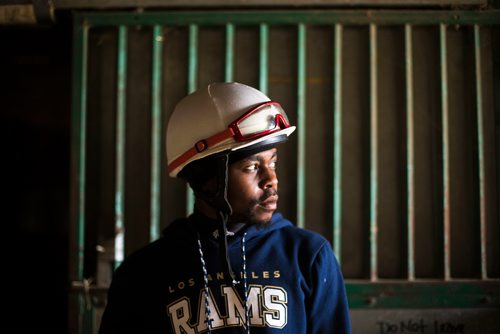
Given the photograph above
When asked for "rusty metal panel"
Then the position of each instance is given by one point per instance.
(202, 67)
(396, 166)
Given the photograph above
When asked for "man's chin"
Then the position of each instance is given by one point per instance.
(262, 218)
(253, 218)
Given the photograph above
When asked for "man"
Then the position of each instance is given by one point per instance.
(235, 265)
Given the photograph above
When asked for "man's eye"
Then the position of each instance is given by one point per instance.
(252, 167)
(273, 164)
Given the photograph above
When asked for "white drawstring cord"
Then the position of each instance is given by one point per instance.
(245, 285)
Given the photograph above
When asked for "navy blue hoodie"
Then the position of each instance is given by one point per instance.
(294, 284)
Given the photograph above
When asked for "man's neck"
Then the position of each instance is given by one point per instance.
(204, 208)
(210, 212)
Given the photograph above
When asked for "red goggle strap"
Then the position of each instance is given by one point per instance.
(280, 123)
(200, 146)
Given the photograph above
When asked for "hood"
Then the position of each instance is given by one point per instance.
(207, 231)
(207, 228)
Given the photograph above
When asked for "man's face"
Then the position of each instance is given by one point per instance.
(253, 187)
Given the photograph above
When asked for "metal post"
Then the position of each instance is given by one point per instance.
(78, 164)
(373, 154)
(337, 143)
(480, 148)
(121, 93)
(445, 148)
(263, 57)
(301, 124)
(228, 75)
(156, 75)
(410, 153)
(192, 84)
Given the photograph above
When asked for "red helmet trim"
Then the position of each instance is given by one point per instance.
(200, 146)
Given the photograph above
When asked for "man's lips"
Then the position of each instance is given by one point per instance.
(271, 203)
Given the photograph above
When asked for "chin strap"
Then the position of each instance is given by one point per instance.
(224, 209)
(218, 200)
(224, 248)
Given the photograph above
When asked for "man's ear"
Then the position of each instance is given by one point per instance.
(209, 187)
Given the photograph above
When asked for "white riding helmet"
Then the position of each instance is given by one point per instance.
(221, 117)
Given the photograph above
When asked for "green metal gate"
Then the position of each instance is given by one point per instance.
(395, 158)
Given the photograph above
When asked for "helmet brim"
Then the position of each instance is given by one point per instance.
(232, 145)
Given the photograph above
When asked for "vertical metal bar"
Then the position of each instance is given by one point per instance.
(263, 57)
(229, 52)
(373, 154)
(154, 228)
(121, 92)
(480, 144)
(79, 139)
(445, 148)
(410, 152)
(78, 160)
(301, 124)
(193, 58)
(192, 84)
(337, 144)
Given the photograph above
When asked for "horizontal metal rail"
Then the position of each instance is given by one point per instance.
(424, 294)
(393, 294)
(354, 17)
(121, 4)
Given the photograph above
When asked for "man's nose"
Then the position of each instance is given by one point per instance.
(269, 178)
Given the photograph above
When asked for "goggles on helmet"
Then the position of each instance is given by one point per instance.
(260, 121)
